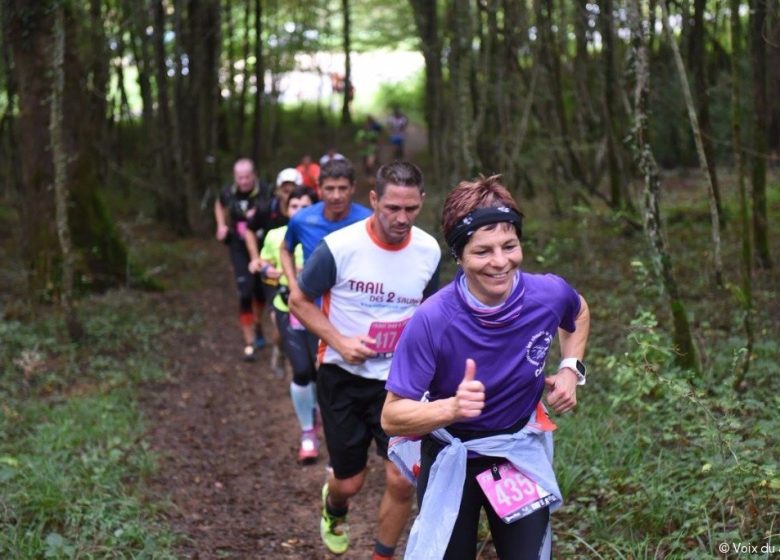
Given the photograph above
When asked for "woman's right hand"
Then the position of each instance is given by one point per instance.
(470, 397)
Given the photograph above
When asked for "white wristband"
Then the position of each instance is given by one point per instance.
(576, 366)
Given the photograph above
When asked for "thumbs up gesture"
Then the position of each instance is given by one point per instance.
(470, 397)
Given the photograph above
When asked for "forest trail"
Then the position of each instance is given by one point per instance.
(227, 438)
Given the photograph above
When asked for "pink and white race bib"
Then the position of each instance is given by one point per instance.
(512, 494)
(386, 335)
(296, 324)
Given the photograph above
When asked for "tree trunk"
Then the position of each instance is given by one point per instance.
(60, 160)
(29, 37)
(138, 15)
(173, 201)
(697, 63)
(773, 76)
(211, 94)
(12, 185)
(760, 143)
(551, 58)
(717, 261)
(520, 100)
(186, 126)
(683, 339)
(346, 115)
(465, 162)
(227, 109)
(241, 115)
(102, 256)
(257, 115)
(617, 192)
(427, 22)
(98, 67)
(744, 211)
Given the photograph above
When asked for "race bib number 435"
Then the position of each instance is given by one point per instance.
(512, 494)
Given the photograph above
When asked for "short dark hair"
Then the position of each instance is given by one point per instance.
(302, 190)
(299, 192)
(337, 168)
(402, 173)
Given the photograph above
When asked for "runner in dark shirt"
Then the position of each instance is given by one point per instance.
(237, 204)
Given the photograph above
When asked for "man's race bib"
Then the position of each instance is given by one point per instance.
(512, 494)
(386, 336)
(241, 229)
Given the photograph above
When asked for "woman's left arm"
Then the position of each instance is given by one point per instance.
(562, 395)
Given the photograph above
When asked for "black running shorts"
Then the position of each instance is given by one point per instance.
(351, 407)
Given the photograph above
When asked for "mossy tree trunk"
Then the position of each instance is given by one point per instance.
(744, 210)
(464, 162)
(704, 163)
(426, 19)
(686, 356)
(346, 114)
(100, 256)
(760, 140)
(257, 115)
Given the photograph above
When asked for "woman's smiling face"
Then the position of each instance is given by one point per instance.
(490, 260)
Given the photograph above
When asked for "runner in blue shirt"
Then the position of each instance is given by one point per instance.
(307, 228)
(334, 211)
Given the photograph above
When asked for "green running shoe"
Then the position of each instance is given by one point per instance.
(334, 530)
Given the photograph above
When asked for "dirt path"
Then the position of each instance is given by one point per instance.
(227, 437)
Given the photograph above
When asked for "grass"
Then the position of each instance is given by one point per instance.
(73, 458)
(656, 463)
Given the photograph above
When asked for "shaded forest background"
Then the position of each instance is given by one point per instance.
(642, 137)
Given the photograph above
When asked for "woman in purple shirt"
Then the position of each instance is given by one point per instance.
(468, 374)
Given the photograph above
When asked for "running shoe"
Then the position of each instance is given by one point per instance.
(259, 342)
(249, 353)
(309, 449)
(334, 530)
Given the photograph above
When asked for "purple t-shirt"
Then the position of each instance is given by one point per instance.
(509, 346)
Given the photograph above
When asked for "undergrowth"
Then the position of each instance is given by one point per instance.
(72, 452)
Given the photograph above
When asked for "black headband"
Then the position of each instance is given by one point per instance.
(478, 218)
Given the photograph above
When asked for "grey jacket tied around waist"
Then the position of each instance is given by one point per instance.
(530, 450)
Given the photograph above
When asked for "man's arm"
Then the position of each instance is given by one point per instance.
(220, 215)
(288, 267)
(319, 275)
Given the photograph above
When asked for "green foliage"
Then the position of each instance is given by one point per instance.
(680, 471)
(72, 452)
(409, 95)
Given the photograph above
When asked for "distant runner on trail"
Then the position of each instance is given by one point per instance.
(310, 172)
(305, 231)
(236, 205)
(371, 276)
(331, 155)
(468, 374)
(270, 217)
(397, 123)
(368, 140)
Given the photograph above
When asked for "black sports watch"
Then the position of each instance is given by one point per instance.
(577, 367)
